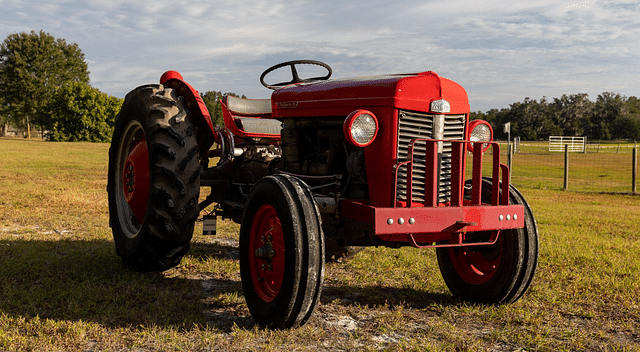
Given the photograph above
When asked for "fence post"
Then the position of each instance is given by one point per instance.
(509, 157)
(566, 167)
(634, 170)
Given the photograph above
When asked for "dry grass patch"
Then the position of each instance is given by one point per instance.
(62, 287)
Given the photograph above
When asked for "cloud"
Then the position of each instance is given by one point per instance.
(499, 51)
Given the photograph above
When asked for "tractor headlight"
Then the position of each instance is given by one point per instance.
(480, 132)
(442, 106)
(360, 128)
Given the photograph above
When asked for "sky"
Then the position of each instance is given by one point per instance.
(500, 51)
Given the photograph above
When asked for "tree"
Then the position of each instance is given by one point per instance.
(496, 118)
(32, 66)
(611, 116)
(212, 101)
(532, 120)
(79, 112)
(571, 113)
(633, 104)
(626, 126)
(4, 119)
(607, 108)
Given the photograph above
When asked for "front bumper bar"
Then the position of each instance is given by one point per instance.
(431, 222)
(434, 220)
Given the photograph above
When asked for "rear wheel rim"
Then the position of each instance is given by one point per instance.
(132, 179)
(476, 264)
(267, 269)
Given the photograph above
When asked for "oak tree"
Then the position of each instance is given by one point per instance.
(32, 66)
(78, 112)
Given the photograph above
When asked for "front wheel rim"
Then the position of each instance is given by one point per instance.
(266, 253)
(477, 265)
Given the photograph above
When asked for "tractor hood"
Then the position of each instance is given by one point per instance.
(340, 97)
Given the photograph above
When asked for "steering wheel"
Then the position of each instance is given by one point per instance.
(294, 73)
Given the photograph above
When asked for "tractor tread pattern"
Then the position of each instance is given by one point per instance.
(174, 179)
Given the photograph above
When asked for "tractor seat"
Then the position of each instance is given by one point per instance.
(259, 126)
(252, 117)
(243, 106)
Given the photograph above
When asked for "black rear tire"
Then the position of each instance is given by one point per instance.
(154, 179)
(499, 273)
(281, 252)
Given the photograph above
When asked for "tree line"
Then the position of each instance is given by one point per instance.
(610, 116)
(44, 85)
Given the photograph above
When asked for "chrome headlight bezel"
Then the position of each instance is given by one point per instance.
(360, 128)
(480, 131)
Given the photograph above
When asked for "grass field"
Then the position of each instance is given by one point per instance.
(603, 168)
(62, 287)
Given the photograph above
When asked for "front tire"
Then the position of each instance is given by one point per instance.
(154, 179)
(498, 273)
(281, 252)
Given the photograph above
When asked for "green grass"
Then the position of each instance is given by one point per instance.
(62, 287)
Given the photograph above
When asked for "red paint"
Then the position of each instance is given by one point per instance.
(433, 220)
(476, 265)
(383, 96)
(348, 123)
(340, 97)
(195, 105)
(229, 123)
(473, 124)
(135, 179)
(266, 275)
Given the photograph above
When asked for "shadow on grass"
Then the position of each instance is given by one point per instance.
(85, 280)
(376, 295)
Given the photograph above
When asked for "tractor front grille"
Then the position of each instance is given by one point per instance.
(412, 125)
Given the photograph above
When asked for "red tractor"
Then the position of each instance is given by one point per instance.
(320, 169)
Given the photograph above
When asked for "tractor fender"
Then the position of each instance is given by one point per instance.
(195, 105)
